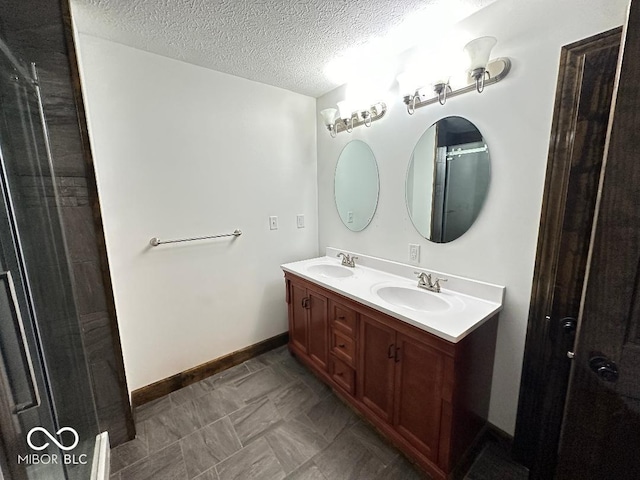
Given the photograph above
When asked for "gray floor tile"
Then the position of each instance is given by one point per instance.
(373, 442)
(306, 471)
(208, 446)
(190, 392)
(210, 474)
(229, 375)
(494, 462)
(254, 420)
(293, 367)
(153, 408)
(255, 461)
(271, 357)
(330, 417)
(402, 469)
(294, 443)
(217, 404)
(348, 459)
(167, 464)
(171, 426)
(255, 364)
(318, 387)
(277, 421)
(261, 383)
(127, 453)
(293, 398)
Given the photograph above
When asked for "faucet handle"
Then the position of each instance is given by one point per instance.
(437, 281)
(423, 279)
(353, 261)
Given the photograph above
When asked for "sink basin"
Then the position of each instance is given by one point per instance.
(332, 271)
(413, 299)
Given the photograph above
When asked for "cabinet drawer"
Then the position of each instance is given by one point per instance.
(343, 346)
(344, 319)
(342, 374)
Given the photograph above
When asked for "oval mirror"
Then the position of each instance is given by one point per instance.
(356, 185)
(448, 179)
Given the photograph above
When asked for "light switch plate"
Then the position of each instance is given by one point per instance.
(273, 223)
(300, 220)
(350, 217)
(414, 252)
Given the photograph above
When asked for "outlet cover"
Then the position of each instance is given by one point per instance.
(273, 223)
(414, 252)
(300, 220)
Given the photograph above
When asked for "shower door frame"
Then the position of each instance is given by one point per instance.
(12, 439)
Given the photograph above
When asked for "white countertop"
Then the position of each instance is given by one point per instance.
(469, 302)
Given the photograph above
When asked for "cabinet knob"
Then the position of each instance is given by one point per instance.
(341, 345)
(397, 355)
(340, 374)
(389, 353)
(340, 317)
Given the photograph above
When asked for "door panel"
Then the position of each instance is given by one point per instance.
(318, 329)
(601, 430)
(418, 394)
(299, 317)
(377, 364)
(581, 117)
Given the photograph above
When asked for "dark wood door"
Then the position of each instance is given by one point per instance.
(601, 430)
(298, 317)
(581, 116)
(318, 329)
(377, 365)
(418, 394)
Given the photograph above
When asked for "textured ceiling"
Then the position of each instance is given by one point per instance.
(285, 43)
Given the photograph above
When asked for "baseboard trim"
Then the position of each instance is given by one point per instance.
(179, 380)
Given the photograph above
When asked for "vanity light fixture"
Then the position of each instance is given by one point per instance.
(479, 51)
(346, 115)
(481, 73)
(440, 88)
(329, 119)
(347, 118)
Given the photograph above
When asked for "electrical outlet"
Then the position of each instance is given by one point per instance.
(414, 252)
(349, 217)
(300, 220)
(273, 223)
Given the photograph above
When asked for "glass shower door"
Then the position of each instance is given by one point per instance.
(47, 413)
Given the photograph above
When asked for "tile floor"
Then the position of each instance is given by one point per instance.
(268, 418)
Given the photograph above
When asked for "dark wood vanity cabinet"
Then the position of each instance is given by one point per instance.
(401, 382)
(428, 396)
(308, 323)
(377, 368)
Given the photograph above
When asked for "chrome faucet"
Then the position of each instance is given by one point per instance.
(347, 261)
(425, 281)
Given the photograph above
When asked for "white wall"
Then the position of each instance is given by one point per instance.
(182, 151)
(515, 118)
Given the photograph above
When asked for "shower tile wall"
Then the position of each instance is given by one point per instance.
(34, 30)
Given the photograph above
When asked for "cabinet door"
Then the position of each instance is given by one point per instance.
(377, 348)
(418, 394)
(298, 318)
(318, 329)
